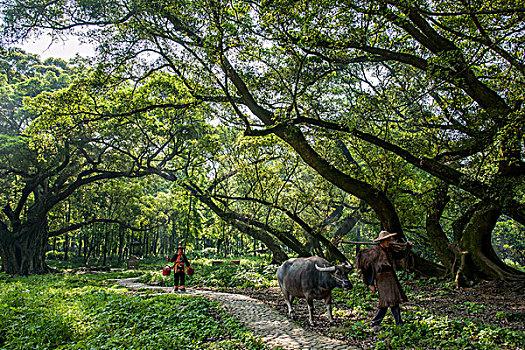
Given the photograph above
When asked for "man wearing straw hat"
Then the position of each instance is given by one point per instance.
(377, 266)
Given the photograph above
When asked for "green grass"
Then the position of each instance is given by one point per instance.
(88, 312)
(424, 328)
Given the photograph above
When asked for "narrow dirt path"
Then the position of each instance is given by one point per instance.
(270, 326)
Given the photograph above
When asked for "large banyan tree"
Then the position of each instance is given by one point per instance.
(434, 87)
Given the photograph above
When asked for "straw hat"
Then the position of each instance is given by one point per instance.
(384, 235)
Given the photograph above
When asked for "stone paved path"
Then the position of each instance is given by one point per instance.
(270, 326)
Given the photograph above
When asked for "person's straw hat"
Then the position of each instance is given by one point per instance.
(384, 235)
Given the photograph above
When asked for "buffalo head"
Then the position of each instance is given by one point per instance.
(339, 273)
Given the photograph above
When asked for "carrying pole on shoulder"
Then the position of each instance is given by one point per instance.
(360, 243)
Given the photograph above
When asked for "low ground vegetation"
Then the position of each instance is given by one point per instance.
(438, 316)
(78, 310)
(88, 311)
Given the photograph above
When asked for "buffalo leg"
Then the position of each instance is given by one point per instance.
(289, 303)
(328, 303)
(310, 303)
(288, 299)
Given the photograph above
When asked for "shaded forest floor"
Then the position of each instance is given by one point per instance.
(488, 316)
(496, 305)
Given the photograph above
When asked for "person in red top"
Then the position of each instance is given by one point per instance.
(179, 269)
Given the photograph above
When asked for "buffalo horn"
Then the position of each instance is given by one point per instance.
(325, 269)
(348, 264)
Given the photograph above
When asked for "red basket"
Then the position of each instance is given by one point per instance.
(166, 271)
(190, 270)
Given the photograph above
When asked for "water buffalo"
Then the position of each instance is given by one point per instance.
(312, 278)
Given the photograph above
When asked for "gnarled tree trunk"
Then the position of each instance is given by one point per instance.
(436, 235)
(481, 261)
(23, 248)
